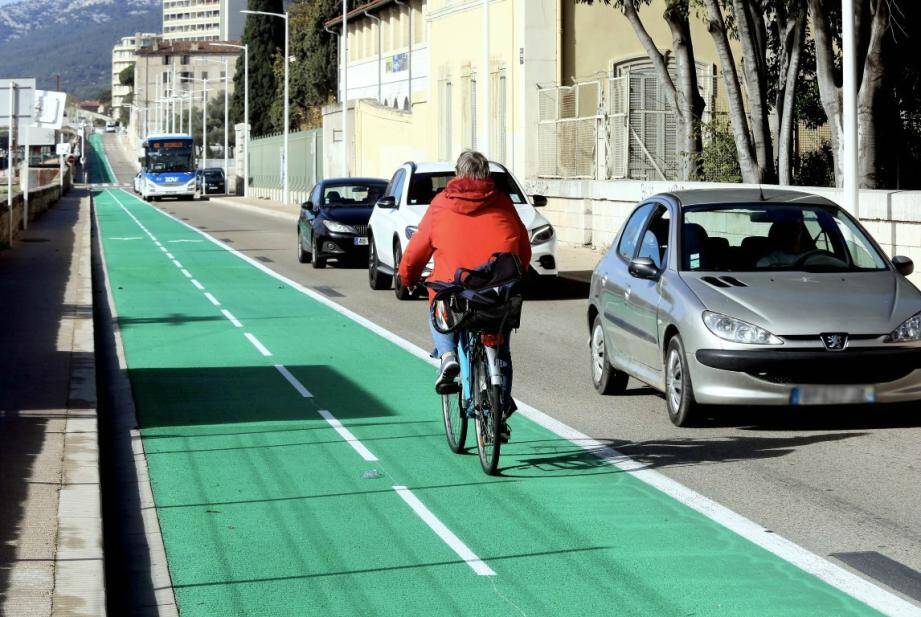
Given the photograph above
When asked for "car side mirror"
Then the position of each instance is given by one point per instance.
(903, 265)
(539, 201)
(387, 203)
(643, 268)
(307, 205)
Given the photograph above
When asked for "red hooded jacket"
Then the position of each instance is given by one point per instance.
(464, 225)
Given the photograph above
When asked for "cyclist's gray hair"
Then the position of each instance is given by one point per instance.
(472, 164)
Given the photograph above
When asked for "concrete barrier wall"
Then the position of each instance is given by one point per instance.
(591, 212)
(39, 201)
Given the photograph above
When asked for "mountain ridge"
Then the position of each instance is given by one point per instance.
(39, 38)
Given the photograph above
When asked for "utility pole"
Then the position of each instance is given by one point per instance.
(345, 87)
(849, 167)
(9, 158)
(484, 94)
(226, 119)
(204, 126)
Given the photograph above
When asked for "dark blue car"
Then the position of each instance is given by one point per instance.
(334, 221)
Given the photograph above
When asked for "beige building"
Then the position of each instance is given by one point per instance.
(124, 56)
(203, 20)
(170, 77)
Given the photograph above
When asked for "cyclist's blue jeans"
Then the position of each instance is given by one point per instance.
(449, 342)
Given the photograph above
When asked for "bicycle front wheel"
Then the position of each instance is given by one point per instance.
(455, 417)
(488, 417)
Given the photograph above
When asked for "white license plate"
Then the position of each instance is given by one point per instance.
(832, 395)
(361, 242)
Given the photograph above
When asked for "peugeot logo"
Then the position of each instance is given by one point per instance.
(836, 341)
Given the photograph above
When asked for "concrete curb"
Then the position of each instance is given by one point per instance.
(149, 580)
(79, 574)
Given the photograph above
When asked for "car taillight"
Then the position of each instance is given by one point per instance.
(492, 340)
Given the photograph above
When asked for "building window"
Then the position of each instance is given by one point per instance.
(184, 60)
(167, 59)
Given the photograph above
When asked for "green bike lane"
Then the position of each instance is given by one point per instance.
(266, 509)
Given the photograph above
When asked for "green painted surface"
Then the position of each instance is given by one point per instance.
(264, 509)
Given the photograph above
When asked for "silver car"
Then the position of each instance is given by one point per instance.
(744, 297)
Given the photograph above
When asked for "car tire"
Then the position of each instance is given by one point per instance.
(605, 378)
(302, 255)
(679, 393)
(318, 262)
(376, 279)
(400, 290)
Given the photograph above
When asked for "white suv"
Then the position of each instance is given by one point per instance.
(397, 214)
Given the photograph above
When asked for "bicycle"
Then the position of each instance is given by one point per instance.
(480, 305)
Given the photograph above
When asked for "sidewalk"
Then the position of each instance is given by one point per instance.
(51, 560)
(573, 261)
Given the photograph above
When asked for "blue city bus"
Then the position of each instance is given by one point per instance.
(168, 167)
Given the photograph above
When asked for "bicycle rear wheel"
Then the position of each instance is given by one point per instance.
(488, 416)
(455, 418)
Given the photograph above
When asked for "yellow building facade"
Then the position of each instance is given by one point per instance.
(556, 69)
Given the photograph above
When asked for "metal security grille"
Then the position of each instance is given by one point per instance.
(568, 128)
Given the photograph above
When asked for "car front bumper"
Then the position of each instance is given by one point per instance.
(338, 245)
(543, 258)
(774, 377)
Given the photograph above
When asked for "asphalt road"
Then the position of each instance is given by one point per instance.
(843, 483)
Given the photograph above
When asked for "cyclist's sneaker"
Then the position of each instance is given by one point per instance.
(505, 433)
(444, 383)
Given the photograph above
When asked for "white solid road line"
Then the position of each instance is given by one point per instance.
(347, 435)
(233, 320)
(293, 381)
(859, 588)
(262, 348)
(211, 298)
(198, 285)
(462, 550)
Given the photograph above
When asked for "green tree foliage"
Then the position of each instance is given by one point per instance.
(312, 77)
(265, 36)
(126, 76)
(719, 159)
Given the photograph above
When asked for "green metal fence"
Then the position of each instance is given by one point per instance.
(305, 149)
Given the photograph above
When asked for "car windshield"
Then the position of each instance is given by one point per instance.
(214, 175)
(169, 159)
(424, 186)
(352, 195)
(775, 237)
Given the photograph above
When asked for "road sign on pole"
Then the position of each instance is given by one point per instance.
(16, 96)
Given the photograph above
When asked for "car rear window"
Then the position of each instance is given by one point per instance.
(425, 186)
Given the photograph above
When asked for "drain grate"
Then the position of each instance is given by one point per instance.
(329, 292)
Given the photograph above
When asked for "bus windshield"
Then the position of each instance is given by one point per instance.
(163, 156)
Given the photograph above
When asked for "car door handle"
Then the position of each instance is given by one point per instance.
(627, 293)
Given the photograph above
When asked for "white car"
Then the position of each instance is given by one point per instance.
(397, 214)
(138, 181)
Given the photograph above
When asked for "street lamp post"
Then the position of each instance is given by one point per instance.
(286, 105)
(345, 86)
(204, 118)
(245, 49)
(849, 167)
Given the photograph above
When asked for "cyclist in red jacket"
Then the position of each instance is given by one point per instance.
(463, 227)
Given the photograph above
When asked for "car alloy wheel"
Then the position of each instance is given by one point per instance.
(679, 393)
(318, 262)
(402, 293)
(376, 279)
(605, 378)
(302, 255)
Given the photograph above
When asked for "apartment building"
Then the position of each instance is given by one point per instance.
(124, 56)
(170, 75)
(203, 20)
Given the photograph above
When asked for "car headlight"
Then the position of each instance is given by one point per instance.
(908, 332)
(339, 228)
(738, 331)
(190, 184)
(541, 234)
(410, 230)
